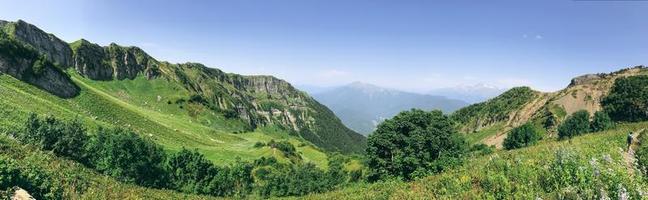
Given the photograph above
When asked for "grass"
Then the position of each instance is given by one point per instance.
(476, 137)
(142, 105)
(520, 173)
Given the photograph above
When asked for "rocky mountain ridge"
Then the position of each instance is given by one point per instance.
(257, 100)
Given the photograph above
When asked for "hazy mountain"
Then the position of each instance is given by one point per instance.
(362, 106)
(469, 93)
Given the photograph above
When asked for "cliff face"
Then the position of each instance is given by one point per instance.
(111, 62)
(257, 100)
(24, 61)
(49, 45)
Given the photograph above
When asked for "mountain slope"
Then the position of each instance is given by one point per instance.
(588, 166)
(191, 105)
(362, 106)
(489, 121)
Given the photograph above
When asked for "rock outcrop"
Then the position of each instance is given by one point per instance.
(47, 44)
(112, 62)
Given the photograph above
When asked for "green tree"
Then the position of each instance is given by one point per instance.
(574, 125)
(412, 144)
(628, 99)
(522, 136)
(601, 121)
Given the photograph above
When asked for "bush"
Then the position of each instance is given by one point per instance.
(412, 144)
(26, 176)
(189, 171)
(628, 99)
(63, 138)
(126, 156)
(574, 125)
(601, 122)
(522, 136)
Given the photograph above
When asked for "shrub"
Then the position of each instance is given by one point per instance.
(574, 125)
(522, 136)
(601, 122)
(412, 144)
(126, 156)
(28, 177)
(189, 171)
(628, 99)
(63, 138)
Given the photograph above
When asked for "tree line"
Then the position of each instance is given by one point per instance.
(124, 155)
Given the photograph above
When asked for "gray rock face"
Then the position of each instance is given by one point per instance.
(89, 61)
(49, 79)
(49, 45)
(112, 62)
(585, 79)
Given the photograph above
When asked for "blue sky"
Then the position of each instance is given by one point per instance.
(408, 45)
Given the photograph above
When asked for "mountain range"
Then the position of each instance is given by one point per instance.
(469, 93)
(184, 104)
(362, 106)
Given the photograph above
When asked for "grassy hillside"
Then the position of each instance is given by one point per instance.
(125, 104)
(586, 166)
(489, 122)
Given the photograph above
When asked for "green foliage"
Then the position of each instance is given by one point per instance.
(284, 146)
(482, 149)
(27, 177)
(276, 179)
(413, 144)
(522, 136)
(495, 109)
(127, 157)
(601, 122)
(189, 171)
(63, 138)
(628, 99)
(642, 152)
(576, 124)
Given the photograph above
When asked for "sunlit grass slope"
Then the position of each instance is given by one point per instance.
(149, 107)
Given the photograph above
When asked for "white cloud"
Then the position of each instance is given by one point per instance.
(538, 37)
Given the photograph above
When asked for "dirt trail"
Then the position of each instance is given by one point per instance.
(629, 156)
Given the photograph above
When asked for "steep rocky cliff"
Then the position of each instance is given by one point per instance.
(256, 100)
(47, 44)
(25, 62)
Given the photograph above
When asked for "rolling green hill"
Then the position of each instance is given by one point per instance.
(221, 114)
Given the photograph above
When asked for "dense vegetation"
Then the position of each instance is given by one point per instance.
(576, 124)
(522, 136)
(494, 110)
(587, 167)
(413, 144)
(130, 158)
(628, 99)
(601, 122)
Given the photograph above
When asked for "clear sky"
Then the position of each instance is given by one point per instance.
(408, 45)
